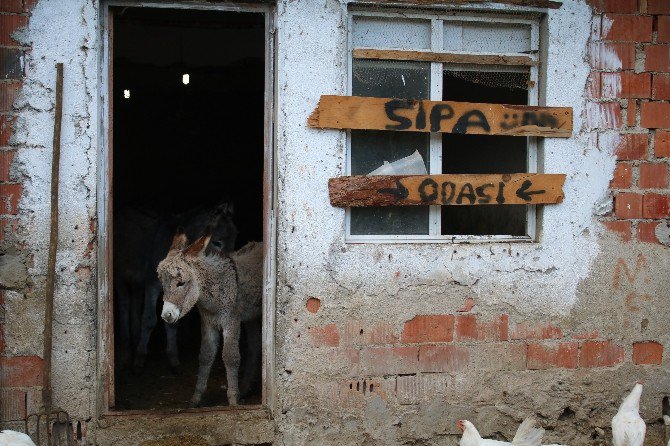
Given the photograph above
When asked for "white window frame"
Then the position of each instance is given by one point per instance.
(437, 20)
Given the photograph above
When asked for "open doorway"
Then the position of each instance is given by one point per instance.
(188, 132)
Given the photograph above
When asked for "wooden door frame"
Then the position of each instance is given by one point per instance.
(105, 313)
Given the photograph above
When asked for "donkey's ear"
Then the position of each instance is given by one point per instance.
(199, 247)
(179, 241)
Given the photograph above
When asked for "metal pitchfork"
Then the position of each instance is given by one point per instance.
(52, 426)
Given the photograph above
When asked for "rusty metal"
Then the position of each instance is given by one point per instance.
(52, 426)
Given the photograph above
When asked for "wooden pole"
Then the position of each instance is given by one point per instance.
(53, 243)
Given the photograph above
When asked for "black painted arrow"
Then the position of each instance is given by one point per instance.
(400, 192)
(525, 194)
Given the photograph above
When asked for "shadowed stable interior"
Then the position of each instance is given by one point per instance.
(180, 143)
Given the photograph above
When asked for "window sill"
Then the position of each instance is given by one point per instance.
(460, 239)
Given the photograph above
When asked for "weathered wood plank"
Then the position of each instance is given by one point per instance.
(430, 56)
(551, 4)
(463, 189)
(358, 112)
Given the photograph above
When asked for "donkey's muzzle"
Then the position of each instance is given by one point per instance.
(170, 313)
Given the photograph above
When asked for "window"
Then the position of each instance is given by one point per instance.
(450, 57)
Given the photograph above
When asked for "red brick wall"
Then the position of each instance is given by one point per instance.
(469, 343)
(638, 31)
(20, 376)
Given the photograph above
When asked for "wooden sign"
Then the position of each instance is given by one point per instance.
(409, 190)
(358, 112)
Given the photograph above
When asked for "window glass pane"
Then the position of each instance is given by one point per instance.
(484, 153)
(372, 32)
(486, 37)
(370, 150)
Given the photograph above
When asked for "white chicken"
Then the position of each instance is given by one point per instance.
(13, 438)
(526, 435)
(628, 428)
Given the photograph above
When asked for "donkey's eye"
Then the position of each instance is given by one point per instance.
(181, 284)
(217, 243)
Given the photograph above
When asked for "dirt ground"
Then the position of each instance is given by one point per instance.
(158, 388)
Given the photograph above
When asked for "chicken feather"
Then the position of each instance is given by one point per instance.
(526, 435)
(628, 428)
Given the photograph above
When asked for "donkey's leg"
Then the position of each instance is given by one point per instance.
(123, 313)
(231, 359)
(136, 298)
(252, 358)
(151, 292)
(209, 343)
(171, 346)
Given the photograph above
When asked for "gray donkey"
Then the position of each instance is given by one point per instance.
(141, 241)
(227, 290)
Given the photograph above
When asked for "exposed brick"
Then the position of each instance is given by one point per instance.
(443, 358)
(621, 227)
(631, 114)
(646, 231)
(630, 146)
(12, 404)
(656, 206)
(662, 144)
(603, 115)
(600, 354)
(627, 28)
(654, 115)
(28, 5)
(593, 85)
(2, 339)
(498, 356)
(20, 371)
(313, 304)
(653, 176)
(9, 198)
(657, 58)
(628, 205)
(469, 327)
(625, 85)
(428, 328)
(11, 6)
(612, 56)
(11, 63)
(6, 225)
(649, 352)
(379, 361)
(537, 330)
(663, 35)
(326, 336)
(660, 86)
(413, 389)
(8, 25)
(620, 6)
(658, 7)
(358, 333)
(8, 94)
(6, 157)
(622, 177)
(563, 355)
(6, 123)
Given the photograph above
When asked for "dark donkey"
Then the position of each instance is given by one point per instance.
(219, 220)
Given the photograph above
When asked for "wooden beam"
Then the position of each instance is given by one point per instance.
(357, 112)
(429, 56)
(452, 189)
(551, 4)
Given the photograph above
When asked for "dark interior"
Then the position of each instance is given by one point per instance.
(484, 153)
(177, 147)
